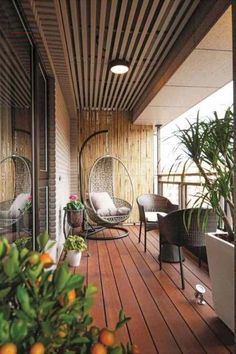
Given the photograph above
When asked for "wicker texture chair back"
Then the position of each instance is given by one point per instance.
(152, 203)
(186, 227)
(102, 177)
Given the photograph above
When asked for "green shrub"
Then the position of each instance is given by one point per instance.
(46, 306)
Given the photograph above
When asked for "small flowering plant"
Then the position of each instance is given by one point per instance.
(28, 204)
(74, 203)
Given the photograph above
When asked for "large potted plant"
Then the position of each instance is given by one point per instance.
(74, 246)
(208, 144)
(74, 210)
(47, 311)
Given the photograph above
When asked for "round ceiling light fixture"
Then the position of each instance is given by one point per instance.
(119, 66)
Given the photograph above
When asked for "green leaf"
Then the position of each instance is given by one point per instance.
(42, 240)
(90, 290)
(80, 340)
(18, 330)
(4, 293)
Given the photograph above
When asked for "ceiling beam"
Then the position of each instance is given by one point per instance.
(205, 16)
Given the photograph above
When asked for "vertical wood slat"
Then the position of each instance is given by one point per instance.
(115, 53)
(143, 55)
(168, 42)
(84, 32)
(93, 30)
(137, 48)
(75, 22)
(122, 49)
(132, 144)
(100, 49)
(108, 50)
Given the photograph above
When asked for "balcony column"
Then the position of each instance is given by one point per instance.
(234, 86)
(158, 154)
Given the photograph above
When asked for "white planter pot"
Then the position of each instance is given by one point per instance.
(220, 256)
(74, 258)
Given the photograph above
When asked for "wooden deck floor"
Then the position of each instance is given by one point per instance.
(165, 319)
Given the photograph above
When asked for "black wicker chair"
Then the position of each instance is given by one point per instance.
(152, 203)
(186, 227)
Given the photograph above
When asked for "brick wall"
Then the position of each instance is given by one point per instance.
(63, 158)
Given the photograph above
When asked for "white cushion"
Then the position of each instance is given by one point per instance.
(102, 200)
(123, 211)
(18, 205)
(107, 211)
(152, 215)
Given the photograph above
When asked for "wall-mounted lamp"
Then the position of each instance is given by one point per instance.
(119, 66)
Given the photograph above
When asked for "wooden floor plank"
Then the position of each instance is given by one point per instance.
(189, 276)
(165, 318)
(95, 277)
(187, 309)
(207, 312)
(110, 292)
(137, 326)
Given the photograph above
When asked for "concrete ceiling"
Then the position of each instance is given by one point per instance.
(208, 68)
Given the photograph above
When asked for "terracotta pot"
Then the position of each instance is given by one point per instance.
(75, 217)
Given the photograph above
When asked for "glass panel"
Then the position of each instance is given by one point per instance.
(171, 191)
(42, 112)
(15, 127)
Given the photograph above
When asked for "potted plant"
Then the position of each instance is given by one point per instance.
(75, 211)
(209, 146)
(74, 246)
(48, 311)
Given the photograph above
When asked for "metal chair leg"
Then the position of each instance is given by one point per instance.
(140, 232)
(200, 257)
(181, 268)
(145, 239)
(160, 248)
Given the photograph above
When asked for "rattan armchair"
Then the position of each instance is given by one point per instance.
(152, 203)
(185, 228)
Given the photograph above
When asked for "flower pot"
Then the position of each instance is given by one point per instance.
(73, 257)
(220, 256)
(75, 217)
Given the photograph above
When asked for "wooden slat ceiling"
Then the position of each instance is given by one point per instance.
(83, 36)
(141, 32)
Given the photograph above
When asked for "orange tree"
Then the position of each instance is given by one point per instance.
(47, 311)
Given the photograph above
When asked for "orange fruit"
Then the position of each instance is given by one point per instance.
(8, 348)
(98, 348)
(71, 296)
(63, 331)
(107, 337)
(46, 259)
(135, 349)
(37, 348)
(34, 258)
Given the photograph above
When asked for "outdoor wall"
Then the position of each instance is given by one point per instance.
(62, 158)
(133, 144)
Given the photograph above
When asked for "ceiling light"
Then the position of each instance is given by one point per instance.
(119, 66)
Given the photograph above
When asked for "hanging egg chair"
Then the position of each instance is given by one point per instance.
(12, 210)
(110, 195)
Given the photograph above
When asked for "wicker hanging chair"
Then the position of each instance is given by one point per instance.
(10, 215)
(101, 179)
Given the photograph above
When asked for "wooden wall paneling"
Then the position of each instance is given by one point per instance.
(6, 168)
(133, 144)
